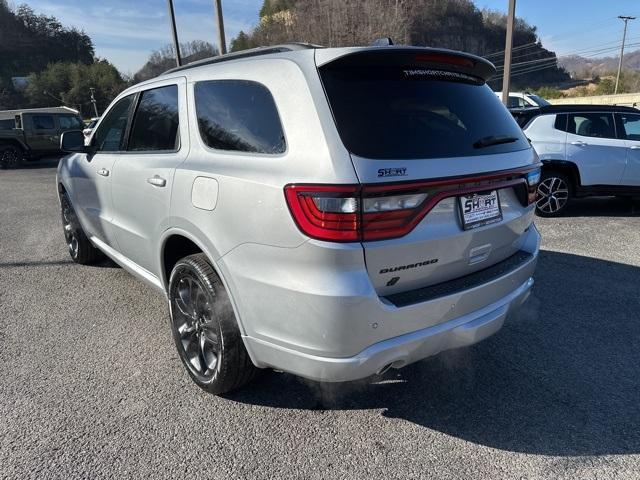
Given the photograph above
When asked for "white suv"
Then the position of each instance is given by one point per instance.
(327, 212)
(585, 150)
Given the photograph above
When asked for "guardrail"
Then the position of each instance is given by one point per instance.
(627, 99)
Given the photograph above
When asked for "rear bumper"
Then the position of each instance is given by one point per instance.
(395, 352)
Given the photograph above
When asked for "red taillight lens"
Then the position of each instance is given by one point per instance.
(353, 213)
(443, 58)
(326, 212)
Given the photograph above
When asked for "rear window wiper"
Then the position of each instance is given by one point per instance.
(494, 140)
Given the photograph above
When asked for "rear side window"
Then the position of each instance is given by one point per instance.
(238, 115)
(110, 135)
(599, 125)
(43, 122)
(155, 124)
(70, 122)
(7, 124)
(630, 125)
(388, 113)
(560, 123)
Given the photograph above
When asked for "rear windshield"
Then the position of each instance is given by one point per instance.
(401, 113)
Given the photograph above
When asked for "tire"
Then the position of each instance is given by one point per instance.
(11, 157)
(204, 328)
(81, 249)
(554, 192)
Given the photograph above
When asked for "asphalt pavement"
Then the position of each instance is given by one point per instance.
(91, 386)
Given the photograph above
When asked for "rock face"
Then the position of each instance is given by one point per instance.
(454, 24)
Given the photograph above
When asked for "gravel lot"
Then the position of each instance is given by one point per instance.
(91, 386)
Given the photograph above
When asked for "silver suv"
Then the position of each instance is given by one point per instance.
(329, 212)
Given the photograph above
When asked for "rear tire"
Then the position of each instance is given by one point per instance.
(554, 192)
(11, 157)
(80, 248)
(204, 328)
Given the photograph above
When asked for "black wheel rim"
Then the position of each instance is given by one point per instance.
(553, 195)
(195, 325)
(9, 158)
(69, 228)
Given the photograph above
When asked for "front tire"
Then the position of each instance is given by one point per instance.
(554, 192)
(11, 157)
(80, 248)
(204, 328)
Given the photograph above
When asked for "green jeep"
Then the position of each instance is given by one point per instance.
(34, 133)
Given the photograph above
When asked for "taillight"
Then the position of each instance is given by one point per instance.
(326, 212)
(353, 213)
(533, 179)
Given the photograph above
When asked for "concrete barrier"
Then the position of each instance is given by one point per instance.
(628, 99)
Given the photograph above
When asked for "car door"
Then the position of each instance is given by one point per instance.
(42, 135)
(629, 129)
(592, 145)
(143, 176)
(92, 173)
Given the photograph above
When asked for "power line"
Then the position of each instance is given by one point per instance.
(624, 36)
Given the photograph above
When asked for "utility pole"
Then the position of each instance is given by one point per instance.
(93, 100)
(172, 21)
(624, 36)
(506, 73)
(222, 44)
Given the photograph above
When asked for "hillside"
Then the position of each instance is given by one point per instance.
(454, 24)
(581, 67)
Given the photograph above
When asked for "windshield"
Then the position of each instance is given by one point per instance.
(394, 113)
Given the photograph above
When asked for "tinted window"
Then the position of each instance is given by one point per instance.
(238, 115)
(630, 126)
(386, 112)
(43, 122)
(541, 102)
(561, 122)
(70, 122)
(7, 124)
(598, 125)
(517, 102)
(155, 124)
(110, 135)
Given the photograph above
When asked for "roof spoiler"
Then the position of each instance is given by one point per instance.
(414, 59)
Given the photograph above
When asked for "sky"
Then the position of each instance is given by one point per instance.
(125, 32)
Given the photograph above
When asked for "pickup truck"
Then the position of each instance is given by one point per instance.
(34, 133)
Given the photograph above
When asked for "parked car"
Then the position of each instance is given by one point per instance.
(522, 100)
(585, 150)
(30, 134)
(329, 212)
(90, 126)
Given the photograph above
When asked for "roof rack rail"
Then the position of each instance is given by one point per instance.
(253, 52)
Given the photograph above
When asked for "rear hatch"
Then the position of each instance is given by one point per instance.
(430, 141)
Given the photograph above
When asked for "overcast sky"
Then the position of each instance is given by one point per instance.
(126, 31)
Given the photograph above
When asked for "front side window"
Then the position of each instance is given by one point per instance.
(560, 122)
(238, 115)
(599, 125)
(630, 124)
(110, 136)
(70, 122)
(155, 124)
(7, 124)
(43, 122)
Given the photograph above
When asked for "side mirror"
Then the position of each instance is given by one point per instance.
(72, 141)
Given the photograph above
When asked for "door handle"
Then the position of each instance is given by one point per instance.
(635, 147)
(157, 181)
(579, 143)
(104, 172)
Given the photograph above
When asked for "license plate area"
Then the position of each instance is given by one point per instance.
(479, 209)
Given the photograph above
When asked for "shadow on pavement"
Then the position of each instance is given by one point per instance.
(561, 378)
(603, 207)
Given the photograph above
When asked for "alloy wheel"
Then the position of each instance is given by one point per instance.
(69, 230)
(553, 195)
(9, 158)
(196, 325)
